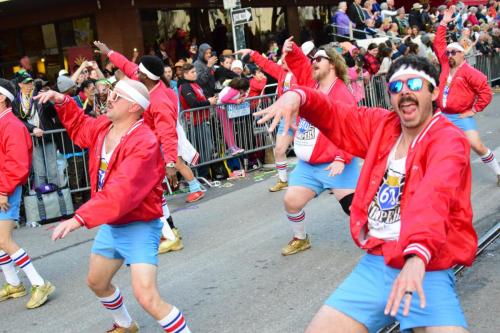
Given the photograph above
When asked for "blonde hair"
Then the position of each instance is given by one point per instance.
(338, 62)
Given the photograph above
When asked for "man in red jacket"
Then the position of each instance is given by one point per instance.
(411, 210)
(464, 91)
(15, 154)
(126, 171)
(322, 165)
(161, 116)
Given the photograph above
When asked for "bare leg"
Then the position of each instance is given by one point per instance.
(329, 320)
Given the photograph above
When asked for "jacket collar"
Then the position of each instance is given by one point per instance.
(420, 136)
(4, 112)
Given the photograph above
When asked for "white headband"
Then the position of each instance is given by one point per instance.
(144, 70)
(412, 71)
(133, 93)
(321, 53)
(455, 46)
(6, 93)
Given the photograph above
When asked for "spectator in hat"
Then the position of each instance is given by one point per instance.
(237, 67)
(415, 16)
(37, 118)
(178, 70)
(74, 155)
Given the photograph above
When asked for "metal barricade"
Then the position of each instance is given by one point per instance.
(217, 131)
(375, 93)
(58, 161)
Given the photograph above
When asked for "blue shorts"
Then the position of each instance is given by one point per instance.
(135, 243)
(316, 178)
(281, 128)
(364, 294)
(15, 203)
(465, 124)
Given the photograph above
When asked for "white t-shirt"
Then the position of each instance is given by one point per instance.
(103, 167)
(384, 213)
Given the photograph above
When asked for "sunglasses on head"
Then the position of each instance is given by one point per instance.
(452, 53)
(414, 84)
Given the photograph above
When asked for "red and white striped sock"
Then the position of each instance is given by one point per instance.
(298, 224)
(174, 322)
(490, 160)
(282, 168)
(23, 261)
(114, 303)
(7, 266)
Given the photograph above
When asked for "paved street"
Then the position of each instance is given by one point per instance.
(231, 277)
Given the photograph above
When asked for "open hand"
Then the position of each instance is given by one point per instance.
(103, 48)
(336, 168)
(408, 281)
(64, 228)
(49, 95)
(4, 203)
(466, 114)
(286, 107)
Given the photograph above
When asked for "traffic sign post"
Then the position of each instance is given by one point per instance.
(239, 16)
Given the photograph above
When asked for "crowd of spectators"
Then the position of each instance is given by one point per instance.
(369, 35)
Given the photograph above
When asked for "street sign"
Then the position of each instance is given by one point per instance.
(229, 4)
(241, 15)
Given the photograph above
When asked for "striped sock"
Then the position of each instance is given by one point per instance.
(8, 269)
(194, 185)
(282, 168)
(114, 303)
(174, 322)
(490, 160)
(22, 260)
(298, 224)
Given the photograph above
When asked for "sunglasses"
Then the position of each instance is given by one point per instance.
(319, 58)
(113, 96)
(452, 53)
(414, 84)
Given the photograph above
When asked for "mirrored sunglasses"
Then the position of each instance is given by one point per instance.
(414, 84)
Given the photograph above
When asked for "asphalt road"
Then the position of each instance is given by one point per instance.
(231, 277)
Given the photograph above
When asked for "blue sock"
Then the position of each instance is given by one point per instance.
(194, 185)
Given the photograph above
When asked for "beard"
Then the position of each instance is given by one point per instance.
(452, 62)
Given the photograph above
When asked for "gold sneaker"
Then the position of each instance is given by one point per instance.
(39, 294)
(278, 186)
(296, 245)
(117, 329)
(10, 291)
(168, 245)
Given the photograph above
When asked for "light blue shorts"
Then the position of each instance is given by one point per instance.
(281, 128)
(465, 124)
(15, 203)
(135, 243)
(364, 294)
(316, 178)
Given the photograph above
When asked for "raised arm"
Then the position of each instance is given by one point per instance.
(300, 66)
(440, 39)
(81, 128)
(349, 127)
(129, 68)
